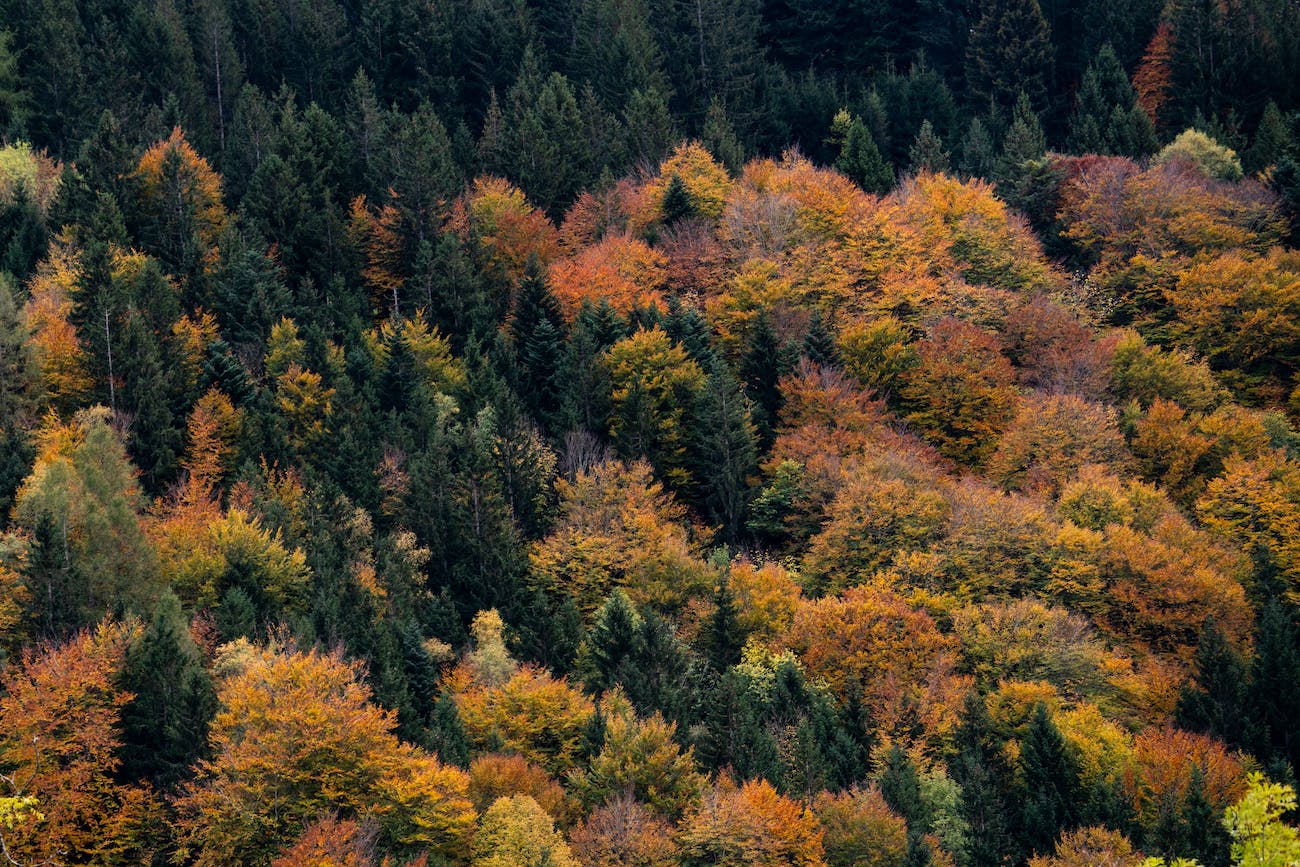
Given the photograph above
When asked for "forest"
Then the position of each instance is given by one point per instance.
(667, 433)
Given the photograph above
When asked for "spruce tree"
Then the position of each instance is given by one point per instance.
(978, 156)
(678, 204)
(1024, 140)
(901, 788)
(926, 153)
(1050, 787)
(538, 330)
(1105, 120)
(722, 637)
(1274, 673)
(760, 370)
(1010, 51)
(613, 640)
(1216, 701)
(1272, 139)
(723, 450)
(719, 137)
(447, 735)
(819, 343)
(859, 158)
(164, 726)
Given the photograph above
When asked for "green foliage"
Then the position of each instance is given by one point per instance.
(1203, 153)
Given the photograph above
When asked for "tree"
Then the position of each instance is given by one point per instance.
(926, 153)
(1259, 837)
(723, 449)
(1203, 153)
(653, 382)
(860, 828)
(1107, 118)
(517, 831)
(296, 734)
(624, 832)
(59, 743)
(750, 825)
(165, 724)
(960, 394)
(1050, 784)
(182, 205)
(1010, 50)
(859, 157)
(80, 503)
(1216, 701)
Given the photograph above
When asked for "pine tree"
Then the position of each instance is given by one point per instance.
(1275, 670)
(859, 158)
(538, 330)
(901, 787)
(724, 452)
(678, 204)
(1010, 50)
(819, 343)
(1272, 139)
(722, 637)
(1049, 794)
(1107, 119)
(978, 156)
(165, 725)
(719, 137)
(612, 642)
(926, 153)
(1217, 702)
(760, 370)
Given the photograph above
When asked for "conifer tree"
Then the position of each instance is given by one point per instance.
(1010, 51)
(859, 157)
(1216, 703)
(538, 330)
(1107, 118)
(760, 370)
(164, 726)
(1049, 794)
(723, 449)
(722, 637)
(926, 153)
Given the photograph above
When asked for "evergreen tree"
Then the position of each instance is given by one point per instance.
(978, 156)
(927, 153)
(819, 343)
(678, 204)
(1217, 701)
(1107, 119)
(650, 129)
(760, 370)
(447, 735)
(1049, 793)
(722, 637)
(720, 138)
(901, 787)
(612, 641)
(723, 447)
(164, 726)
(859, 158)
(1274, 671)
(538, 330)
(1272, 139)
(1010, 51)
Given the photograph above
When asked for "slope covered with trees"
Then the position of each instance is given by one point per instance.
(608, 432)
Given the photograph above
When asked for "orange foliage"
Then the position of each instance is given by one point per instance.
(330, 842)
(509, 230)
(860, 828)
(751, 825)
(705, 181)
(624, 833)
(1091, 847)
(197, 186)
(1153, 78)
(1161, 771)
(58, 351)
(498, 775)
(296, 734)
(376, 233)
(59, 742)
(531, 714)
(870, 641)
(619, 269)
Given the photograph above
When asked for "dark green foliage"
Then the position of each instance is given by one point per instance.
(1010, 51)
(1050, 787)
(1107, 119)
(678, 204)
(860, 159)
(538, 331)
(760, 371)
(926, 153)
(723, 450)
(446, 734)
(165, 725)
(1275, 669)
(1217, 701)
(722, 638)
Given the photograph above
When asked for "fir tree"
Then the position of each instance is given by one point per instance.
(164, 726)
(678, 204)
(926, 153)
(447, 733)
(1049, 795)
(722, 637)
(1010, 50)
(859, 158)
(723, 448)
(1217, 701)
(760, 370)
(1107, 119)
(819, 343)
(538, 330)
(978, 156)
(613, 640)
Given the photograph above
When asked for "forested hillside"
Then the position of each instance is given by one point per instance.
(649, 432)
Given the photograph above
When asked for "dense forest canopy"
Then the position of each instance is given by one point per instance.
(649, 432)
